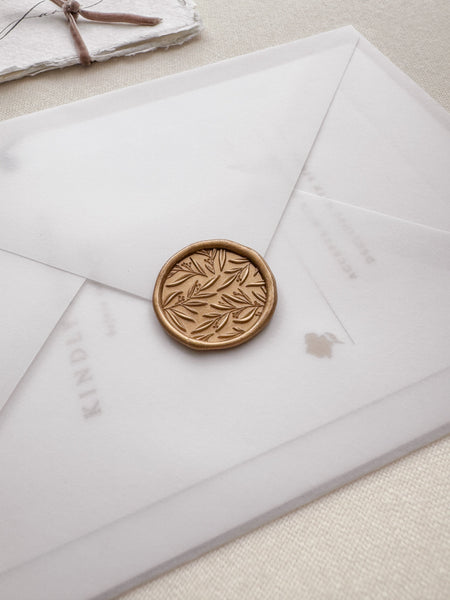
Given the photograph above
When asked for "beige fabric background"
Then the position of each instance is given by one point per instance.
(386, 536)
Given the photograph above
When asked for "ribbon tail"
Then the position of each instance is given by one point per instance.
(83, 52)
(119, 18)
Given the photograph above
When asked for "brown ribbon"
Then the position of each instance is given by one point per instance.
(72, 10)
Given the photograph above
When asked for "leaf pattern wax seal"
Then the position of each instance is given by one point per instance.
(214, 294)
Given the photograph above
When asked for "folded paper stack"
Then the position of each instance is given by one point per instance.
(35, 37)
(124, 453)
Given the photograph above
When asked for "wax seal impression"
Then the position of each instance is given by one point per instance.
(215, 294)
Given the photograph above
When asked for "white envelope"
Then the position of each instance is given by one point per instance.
(142, 449)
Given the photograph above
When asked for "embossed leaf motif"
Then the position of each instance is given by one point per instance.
(214, 295)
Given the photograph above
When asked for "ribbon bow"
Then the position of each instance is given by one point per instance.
(73, 10)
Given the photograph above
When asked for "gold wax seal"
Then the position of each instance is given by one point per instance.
(215, 294)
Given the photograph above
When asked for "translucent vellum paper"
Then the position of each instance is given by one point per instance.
(199, 178)
(135, 418)
(124, 453)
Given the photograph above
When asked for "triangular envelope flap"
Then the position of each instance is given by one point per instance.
(385, 145)
(386, 282)
(112, 194)
(32, 301)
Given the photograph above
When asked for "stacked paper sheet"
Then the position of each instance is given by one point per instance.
(41, 41)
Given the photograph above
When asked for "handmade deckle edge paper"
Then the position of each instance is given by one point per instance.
(42, 41)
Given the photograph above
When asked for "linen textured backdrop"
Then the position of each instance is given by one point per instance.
(386, 535)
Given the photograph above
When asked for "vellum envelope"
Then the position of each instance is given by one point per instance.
(124, 453)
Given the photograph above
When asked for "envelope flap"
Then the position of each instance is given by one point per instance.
(385, 145)
(110, 187)
(386, 282)
(32, 301)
